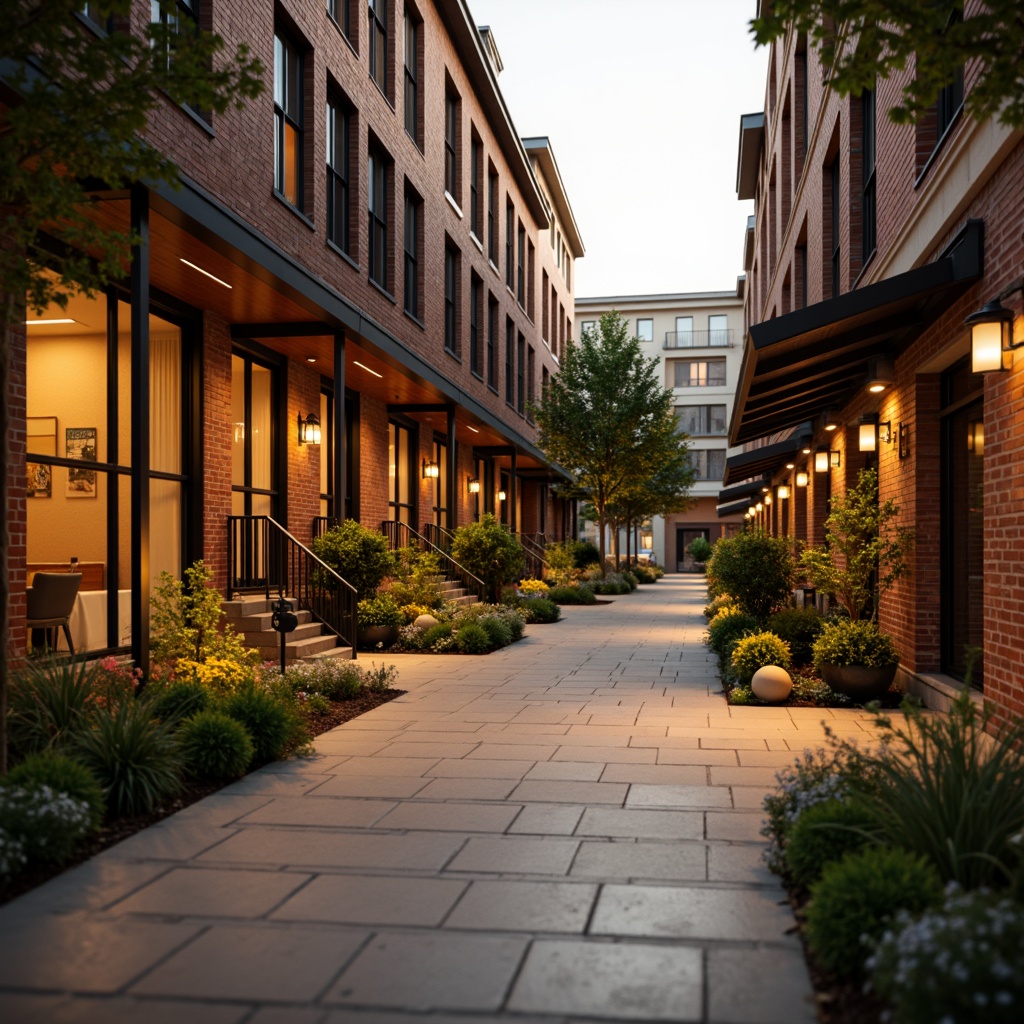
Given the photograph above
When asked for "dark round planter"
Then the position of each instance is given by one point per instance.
(859, 682)
(368, 637)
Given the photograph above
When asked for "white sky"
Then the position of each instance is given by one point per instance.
(642, 101)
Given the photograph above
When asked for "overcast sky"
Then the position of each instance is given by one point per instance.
(642, 101)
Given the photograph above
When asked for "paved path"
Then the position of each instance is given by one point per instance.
(564, 831)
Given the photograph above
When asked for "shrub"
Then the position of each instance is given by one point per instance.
(540, 609)
(430, 638)
(489, 551)
(728, 626)
(533, 587)
(134, 757)
(757, 569)
(62, 775)
(630, 577)
(742, 695)
(49, 703)
(855, 898)
(332, 678)
(799, 627)
(642, 574)
(180, 699)
(411, 612)
(700, 549)
(419, 573)
(358, 555)
(498, 632)
(717, 604)
(585, 553)
(472, 638)
(960, 963)
(559, 556)
(272, 722)
(843, 642)
(218, 675)
(822, 834)
(752, 652)
(573, 595)
(378, 680)
(379, 610)
(39, 825)
(215, 746)
(114, 682)
(613, 583)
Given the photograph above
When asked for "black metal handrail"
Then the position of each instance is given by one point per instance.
(264, 556)
(699, 339)
(402, 535)
(321, 524)
(439, 537)
(534, 554)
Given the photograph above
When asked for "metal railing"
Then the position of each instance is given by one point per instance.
(699, 339)
(264, 556)
(321, 524)
(534, 550)
(439, 537)
(401, 535)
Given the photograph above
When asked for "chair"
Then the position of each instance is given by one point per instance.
(50, 600)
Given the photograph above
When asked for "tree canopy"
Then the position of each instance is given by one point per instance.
(606, 417)
(858, 40)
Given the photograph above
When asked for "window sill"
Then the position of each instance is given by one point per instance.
(479, 376)
(493, 266)
(453, 204)
(286, 202)
(387, 295)
(195, 116)
(415, 319)
(492, 388)
(453, 355)
(933, 157)
(344, 255)
(416, 142)
(863, 269)
(341, 32)
(383, 94)
(476, 241)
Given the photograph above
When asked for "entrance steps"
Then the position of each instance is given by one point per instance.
(250, 616)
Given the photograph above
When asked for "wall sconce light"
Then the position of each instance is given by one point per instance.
(904, 438)
(976, 437)
(752, 511)
(309, 429)
(992, 335)
(474, 485)
(825, 459)
(431, 470)
(867, 433)
(768, 499)
(881, 375)
(783, 491)
(501, 495)
(829, 421)
(759, 507)
(802, 479)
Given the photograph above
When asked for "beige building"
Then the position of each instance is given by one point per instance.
(698, 338)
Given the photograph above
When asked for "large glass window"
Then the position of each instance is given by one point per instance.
(413, 215)
(695, 373)
(451, 145)
(645, 329)
(476, 160)
(177, 17)
(378, 22)
(701, 420)
(287, 119)
(492, 214)
(339, 169)
(718, 329)
(868, 175)
(440, 503)
(451, 300)
(400, 475)
(377, 170)
(708, 463)
(476, 291)
(492, 343)
(413, 31)
(253, 398)
(510, 371)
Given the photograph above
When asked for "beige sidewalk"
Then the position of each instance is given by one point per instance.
(566, 830)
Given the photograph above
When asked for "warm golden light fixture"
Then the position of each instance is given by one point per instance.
(431, 470)
(501, 495)
(825, 459)
(783, 491)
(802, 479)
(309, 429)
(474, 485)
(992, 334)
(881, 375)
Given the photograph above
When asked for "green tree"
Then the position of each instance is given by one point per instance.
(858, 40)
(490, 552)
(606, 417)
(76, 106)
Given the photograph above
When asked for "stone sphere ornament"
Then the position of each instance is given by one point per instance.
(424, 622)
(771, 683)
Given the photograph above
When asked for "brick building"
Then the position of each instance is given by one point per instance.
(697, 337)
(369, 245)
(871, 245)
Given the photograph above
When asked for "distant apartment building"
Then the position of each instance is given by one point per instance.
(698, 338)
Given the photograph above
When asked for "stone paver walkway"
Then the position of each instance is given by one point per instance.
(566, 830)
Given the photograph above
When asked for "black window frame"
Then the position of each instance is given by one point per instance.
(492, 343)
(344, 22)
(476, 157)
(520, 374)
(869, 221)
(521, 264)
(377, 169)
(413, 31)
(378, 42)
(510, 244)
(412, 238)
(288, 110)
(452, 112)
(451, 300)
(836, 256)
(492, 214)
(510, 382)
(339, 171)
(476, 291)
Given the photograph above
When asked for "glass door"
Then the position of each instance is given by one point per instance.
(254, 430)
(400, 474)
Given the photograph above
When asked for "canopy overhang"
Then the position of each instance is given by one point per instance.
(796, 365)
(764, 461)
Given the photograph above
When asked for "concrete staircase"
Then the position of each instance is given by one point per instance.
(452, 590)
(250, 615)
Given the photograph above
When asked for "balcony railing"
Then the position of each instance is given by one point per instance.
(699, 339)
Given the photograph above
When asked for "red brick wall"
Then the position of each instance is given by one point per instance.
(15, 519)
(303, 459)
(217, 442)
(373, 463)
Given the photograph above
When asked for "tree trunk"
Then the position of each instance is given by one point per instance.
(602, 522)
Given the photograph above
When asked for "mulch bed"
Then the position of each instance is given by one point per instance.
(890, 701)
(113, 832)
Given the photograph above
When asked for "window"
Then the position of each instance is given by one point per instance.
(287, 119)
(402, 445)
(339, 12)
(413, 242)
(451, 145)
(530, 275)
(698, 373)
(476, 160)
(544, 288)
(800, 258)
(520, 375)
(492, 214)
(476, 292)
(339, 132)
(701, 420)
(531, 373)
(492, 343)
(377, 173)
(510, 382)
(645, 329)
(868, 175)
(176, 18)
(451, 299)
(520, 272)
(378, 21)
(951, 99)
(708, 463)
(835, 255)
(413, 33)
(718, 329)
(588, 325)
(510, 244)
(684, 332)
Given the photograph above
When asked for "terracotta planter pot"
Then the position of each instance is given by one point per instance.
(368, 637)
(859, 682)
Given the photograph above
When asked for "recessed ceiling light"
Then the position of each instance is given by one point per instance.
(45, 323)
(475, 431)
(366, 368)
(310, 359)
(205, 273)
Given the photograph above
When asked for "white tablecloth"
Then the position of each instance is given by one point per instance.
(88, 620)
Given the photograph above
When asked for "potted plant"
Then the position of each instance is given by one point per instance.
(700, 552)
(855, 658)
(378, 619)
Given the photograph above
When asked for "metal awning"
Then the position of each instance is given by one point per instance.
(733, 508)
(796, 365)
(736, 499)
(764, 461)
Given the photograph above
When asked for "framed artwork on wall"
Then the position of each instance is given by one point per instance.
(40, 439)
(80, 444)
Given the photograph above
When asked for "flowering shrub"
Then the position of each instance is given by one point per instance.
(752, 652)
(114, 682)
(38, 823)
(221, 676)
(528, 587)
(957, 964)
